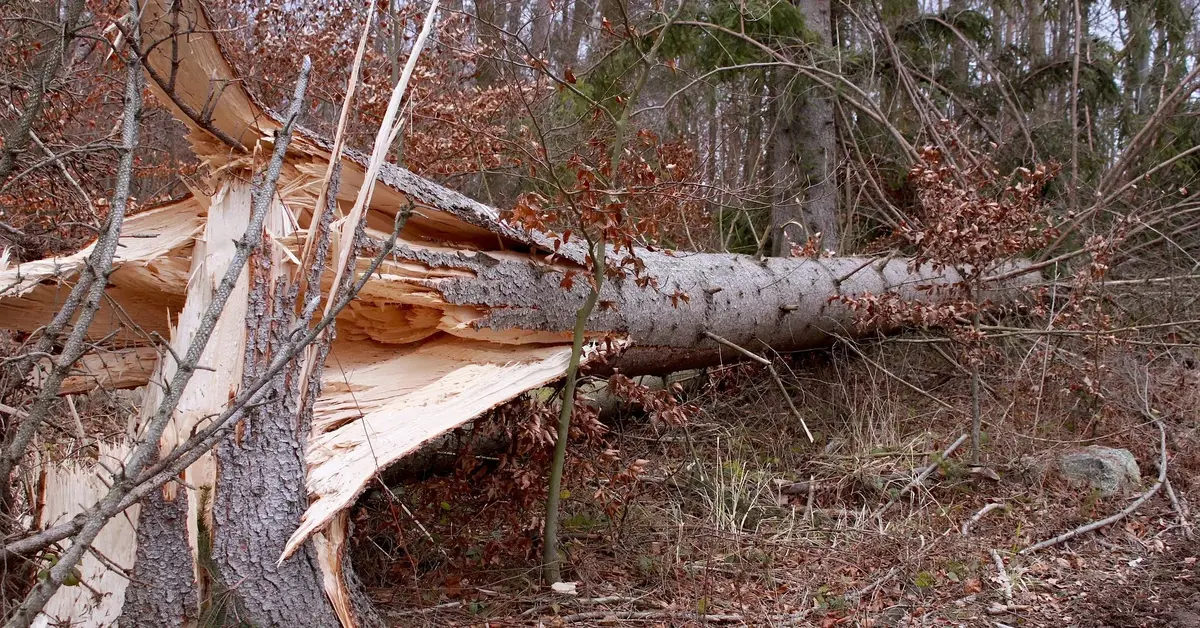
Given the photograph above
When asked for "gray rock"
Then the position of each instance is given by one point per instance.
(1109, 470)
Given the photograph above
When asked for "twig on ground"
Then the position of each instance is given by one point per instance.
(966, 526)
(423, 611)
(1005, 582)
(1137, 503)
(598, 601)
(1180, 509)
(854, 596)
(921, 477)
(774, 375)
(812, 491)
(645, 615)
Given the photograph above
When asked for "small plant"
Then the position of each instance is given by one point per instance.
(925, 580)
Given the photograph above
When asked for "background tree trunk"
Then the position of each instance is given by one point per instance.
(490, 18)
(805, 151)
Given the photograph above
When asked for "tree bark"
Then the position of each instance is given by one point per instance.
(181, 520)
(959, 65)
(164, 562)
(259, 489)
(787, 304)
(805, 151)
(1037, 33)
(489, 18)
(540, 31)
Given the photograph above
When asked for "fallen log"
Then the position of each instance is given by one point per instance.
(466, 312)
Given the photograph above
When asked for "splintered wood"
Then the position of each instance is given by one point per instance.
(381, 403)
(407, 365)
(69, 488)
(152, 264)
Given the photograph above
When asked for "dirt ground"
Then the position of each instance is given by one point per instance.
(737, 520)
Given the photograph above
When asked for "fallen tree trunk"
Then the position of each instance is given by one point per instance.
(786, 304)
(465, 313)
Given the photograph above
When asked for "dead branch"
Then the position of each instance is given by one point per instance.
(651, 615)
(920, 479)
(1180, 510)
(149, 445)
(774, 375)
(966, 526)
(17, 138)
(1005, 582)
(88, 293)
(203, 119)
(1137, 503)
(423, 611)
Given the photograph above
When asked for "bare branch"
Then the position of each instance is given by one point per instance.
(148, 447)
(17, 138)
(92, 283)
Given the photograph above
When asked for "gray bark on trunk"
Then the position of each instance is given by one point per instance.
(489, 19)
(784, 303)
(260, 482)
(163, 593)
(1037, 33)
(540, 31)
(804, 153)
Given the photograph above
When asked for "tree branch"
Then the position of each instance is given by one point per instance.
(148, 447)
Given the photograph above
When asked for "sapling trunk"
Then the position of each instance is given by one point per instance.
(550, 559)
(976, 417)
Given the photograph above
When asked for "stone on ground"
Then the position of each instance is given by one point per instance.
(1108, 470)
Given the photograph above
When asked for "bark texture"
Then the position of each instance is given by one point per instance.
(804, 151)
(164, 560)
(16, 138)
(785, 303)
(260, 483)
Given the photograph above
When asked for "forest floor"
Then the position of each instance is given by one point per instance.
(738, 520)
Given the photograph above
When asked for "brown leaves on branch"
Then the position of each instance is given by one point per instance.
(643, 203)
(971, 217)
(453, 126)
(661, 405)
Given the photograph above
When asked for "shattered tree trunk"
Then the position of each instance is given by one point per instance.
(466, 312)
(261, 473)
